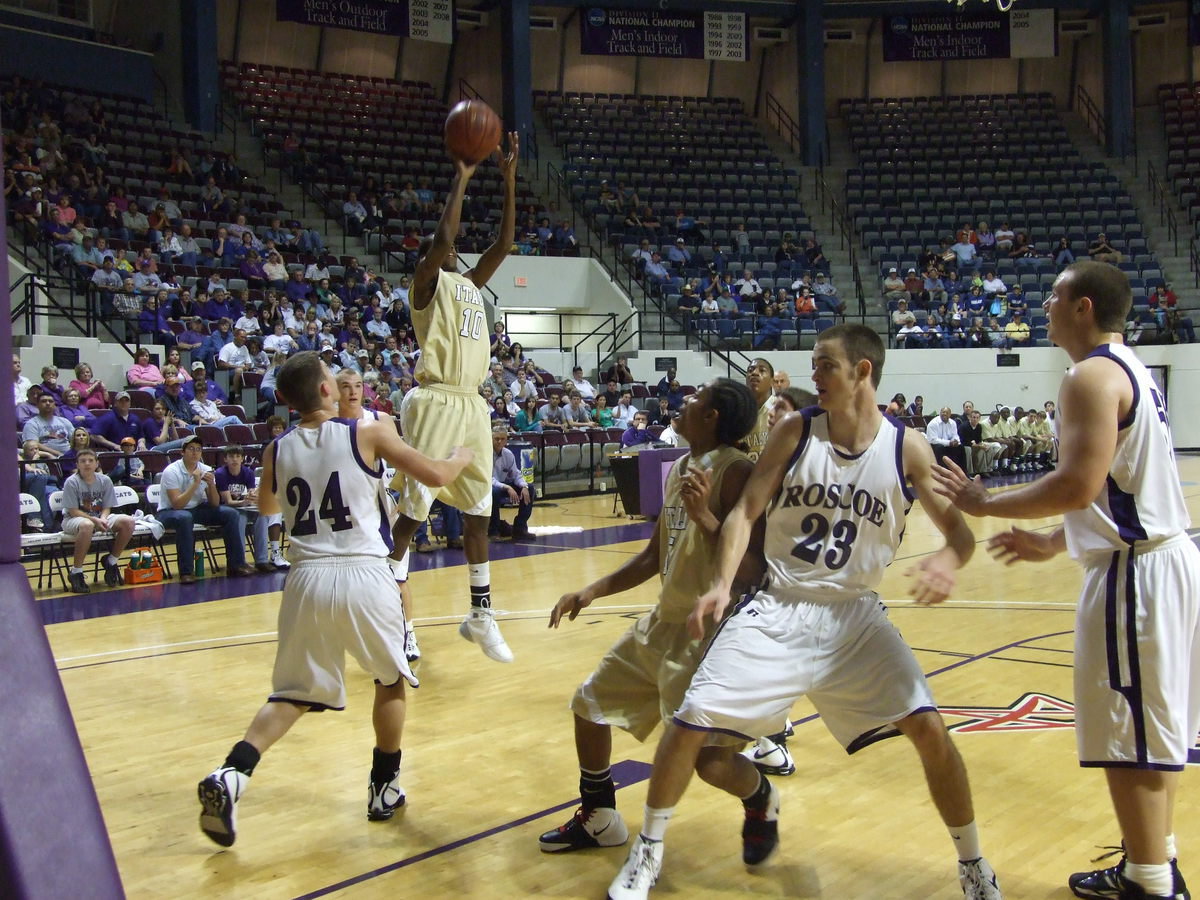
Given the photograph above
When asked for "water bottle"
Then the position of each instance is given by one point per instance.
(198, 569)
(147, 559)
(135, 560)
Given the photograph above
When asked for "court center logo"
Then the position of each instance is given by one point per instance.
(1030, 712)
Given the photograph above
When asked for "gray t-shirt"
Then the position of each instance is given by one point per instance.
(90, 498)
(56, 433)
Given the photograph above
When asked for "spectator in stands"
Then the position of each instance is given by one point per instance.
(495, 380)
(91, 390)
(1016, 302)
(87, 258)
(214, 343)
(21, 384)
(552, 416)
(586, 389)
(212, 198)
(964, 251)
(192, 338)
(238, 490)
(993, 284)
(136, 223)
(508, 489)
(259, 359)
(815, 256)
(1016, 332)
(81, 438)
(577, 414)
(663, 415)
(914, 286)
(157, 223)
(657, 274)
(636, 433)
(678, 254)
(529, 417)
(747, 287)
(353, 214)
(985, 242)
(235, 357)
(976, 303)
(981, 454)
(28, 408)
(37, 481)
(50, 383)
(110, 223)
(1102, 251)
(1023, 252)
(252, 269)
(1063, 256)
(279, 341)
(826, 295)
(200, 374)
(145, 280)
(942, 434)
(143, 373)
(161, 431)
(901, 314)
(910, 335)
(73, 410)
(189, 497)
(152, 320)
(107, 282)
(893, 287)
(50, 431)
(116, 424)
(205, 410)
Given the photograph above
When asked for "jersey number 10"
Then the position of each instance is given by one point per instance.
(332, 508)
(473, 322)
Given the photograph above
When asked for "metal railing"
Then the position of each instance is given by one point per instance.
(785, 126)
(1097, 124)
(467, 92)
(58, 304)
(848, 239)
(1194, 255)
(1162, 200)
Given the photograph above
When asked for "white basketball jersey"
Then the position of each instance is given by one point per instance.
(330, 499)
(1141, 499)
(837, 519)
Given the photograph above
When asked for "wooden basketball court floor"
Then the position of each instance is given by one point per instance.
(163, 682)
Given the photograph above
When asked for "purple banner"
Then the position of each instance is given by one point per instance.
(977, 35)
(426, 20)
(683, 35)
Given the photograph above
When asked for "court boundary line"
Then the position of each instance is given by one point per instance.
(524, 820)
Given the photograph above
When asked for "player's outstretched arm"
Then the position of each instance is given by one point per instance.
(378, 439)
(636, 571)
(429, 266)
(1091, 401)
(1018, 544)
(934, 576)
(490, 261)
(764, 482)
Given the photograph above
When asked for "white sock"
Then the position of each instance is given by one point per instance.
(1155, 880)
(480, 577)
(272, 547)
(655, 821)
(1171, 852)
(966, 841)
(111, 560)
(75, 570)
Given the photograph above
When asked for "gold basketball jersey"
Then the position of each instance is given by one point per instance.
(453, 334)
(757, 439)
(687, 561)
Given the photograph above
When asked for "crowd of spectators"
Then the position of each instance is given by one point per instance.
(1004, 441)
(954, 297)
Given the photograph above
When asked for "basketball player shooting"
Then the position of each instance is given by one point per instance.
(1137, 624)
(446, 410)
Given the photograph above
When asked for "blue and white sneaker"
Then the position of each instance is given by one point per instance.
(219, 795)
(1107, 884)
(770, 757)
(978, 880)
(384, 798)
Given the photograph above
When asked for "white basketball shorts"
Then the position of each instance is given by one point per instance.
(1137, 657)
(844, 655)
(331, 607)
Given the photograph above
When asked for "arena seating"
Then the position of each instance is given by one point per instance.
(929, 164)
(1180, 107)
(361, 134)
(702, 156)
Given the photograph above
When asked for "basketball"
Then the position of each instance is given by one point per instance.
(472, 131)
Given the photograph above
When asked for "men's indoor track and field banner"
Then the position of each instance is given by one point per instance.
(683, 35)
(426, 20)
(1017, 34)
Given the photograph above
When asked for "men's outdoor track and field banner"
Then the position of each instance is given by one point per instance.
(643, 32)
(426, 20)
(977, 35)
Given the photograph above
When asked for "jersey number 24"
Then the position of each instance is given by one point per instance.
(332, 508)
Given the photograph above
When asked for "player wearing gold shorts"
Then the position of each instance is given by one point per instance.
(642, 679)
(450, 320)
